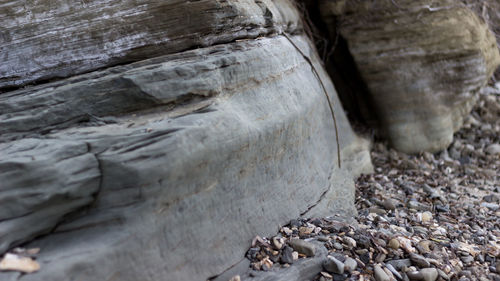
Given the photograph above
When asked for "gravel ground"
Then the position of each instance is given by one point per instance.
(423, 217)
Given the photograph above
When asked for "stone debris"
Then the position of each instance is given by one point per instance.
(20, 263)
(423, 217)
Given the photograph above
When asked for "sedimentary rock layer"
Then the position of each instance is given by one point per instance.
(44, 40)
(197, 152)
(423, 61)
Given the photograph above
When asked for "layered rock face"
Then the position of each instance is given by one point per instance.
(162, 168)
(423, 61)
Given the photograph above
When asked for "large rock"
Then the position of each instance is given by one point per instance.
(195, 153)
(423, 62)
(44, 40)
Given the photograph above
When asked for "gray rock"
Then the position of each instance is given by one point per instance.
(388, 204)
(493, 149)
(429, 274)
(400, 263)
(350, 264)
(303, 247)
(491, 206)
(200, 136)
(380, 274)
(394, 271)
(492, 198)
(419, 260)
(333, 265)
(467, 259)
(287, 255)
(42, 181)
(415, 275)
(408, 77)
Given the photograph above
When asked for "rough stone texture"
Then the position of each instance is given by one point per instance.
(302, 270)
(423, 61)
(41, 182)
(197, 152)
(43, 40)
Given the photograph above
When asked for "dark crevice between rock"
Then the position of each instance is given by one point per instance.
(341, 67)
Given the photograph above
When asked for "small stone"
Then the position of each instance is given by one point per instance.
(424, 246)
(493, 149)
(333, 265)
(380, 274)
(414, 275)
(278, 242)
(266, 264)
(323, 238)
(443, 274)
(287, 255)
(295, 255)
(235, 278)
(394, 271)
(351, 243)
(350, 264)
(380, 257)
(419, 260)
(326, 275)
(303, 247)
(399, 264)
(426, 216)
(491, 206)
(388, 204)
(467, 259)
(429, 274)
(304, 231)
(337, 246)
(286, 230)
(491, 198)
(393, 244)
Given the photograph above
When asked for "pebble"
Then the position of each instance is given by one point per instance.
(493, 149)
(443, 275)
(467, 259)
(393, 270)
(337, 246)
(491, 198)
(424, 246)
(393, 244)
(350, 264)
(429, 274)
(287, 255)
(333, 265)
(414, 275)
(491, 206)
(380, 274)
(419, 260)
(388, 204)
(426, 216)
(400, 263)
(278, 242)
(303, 247)
(351, 243)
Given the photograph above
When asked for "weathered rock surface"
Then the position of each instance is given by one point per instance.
(41, 182)
(423, 62)
(44, 40)
(194, 153)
